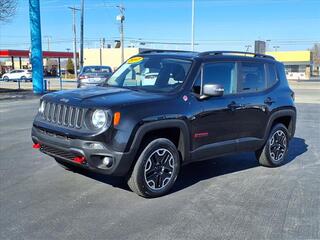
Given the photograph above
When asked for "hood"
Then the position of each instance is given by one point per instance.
(104, 97)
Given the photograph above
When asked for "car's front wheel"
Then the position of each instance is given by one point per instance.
(275, 150)
(156, 169)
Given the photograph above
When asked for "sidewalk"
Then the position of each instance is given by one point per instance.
(13, 94)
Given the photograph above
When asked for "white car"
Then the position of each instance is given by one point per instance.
(19, 74)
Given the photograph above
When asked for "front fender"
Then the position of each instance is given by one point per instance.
(184, 144)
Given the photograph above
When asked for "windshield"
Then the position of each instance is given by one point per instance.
(96, 69)
(152, 73)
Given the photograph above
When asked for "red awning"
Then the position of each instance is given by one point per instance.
(25, 54)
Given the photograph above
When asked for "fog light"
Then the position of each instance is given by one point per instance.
(95, 145)
(107, 161)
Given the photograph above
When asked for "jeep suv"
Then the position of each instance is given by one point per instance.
(197, 106)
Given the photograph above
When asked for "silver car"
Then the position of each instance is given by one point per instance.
(94, 75)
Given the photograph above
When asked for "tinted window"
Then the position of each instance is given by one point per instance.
(252, 77)
(152, 73)
(224, 74)
(272, 76)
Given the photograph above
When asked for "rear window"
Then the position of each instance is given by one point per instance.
(272, 75)
(94, 69)
(252, 77)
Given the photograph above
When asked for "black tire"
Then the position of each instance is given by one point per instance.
(160, 160)
(275, 151)
(23, 78)
(5, 78)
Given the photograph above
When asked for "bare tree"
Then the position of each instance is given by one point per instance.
(316, 53)
(7, 9)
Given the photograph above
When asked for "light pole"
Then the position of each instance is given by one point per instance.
(192, 26)
(81, 34)
(121, 19)
(74, 41)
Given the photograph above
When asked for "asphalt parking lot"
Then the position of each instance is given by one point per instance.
(226, 198)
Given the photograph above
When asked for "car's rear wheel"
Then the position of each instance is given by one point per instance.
(275, 151)
(156, 169)
(23, 78)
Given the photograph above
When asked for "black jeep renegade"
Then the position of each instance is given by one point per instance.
(163, 109)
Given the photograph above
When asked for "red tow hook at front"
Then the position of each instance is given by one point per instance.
(80, 159)
(36, 146)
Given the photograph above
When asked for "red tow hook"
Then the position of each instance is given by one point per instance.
(36, 146)
(79, 159)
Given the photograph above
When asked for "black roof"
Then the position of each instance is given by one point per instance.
(232, 55)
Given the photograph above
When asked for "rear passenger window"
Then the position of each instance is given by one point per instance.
(252, 77)
(272, 75)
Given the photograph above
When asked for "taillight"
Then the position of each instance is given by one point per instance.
(83, 76)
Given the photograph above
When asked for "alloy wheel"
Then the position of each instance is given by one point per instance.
(159, 168)
(277, 145)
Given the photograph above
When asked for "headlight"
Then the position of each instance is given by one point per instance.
(41, 107)
(100, 119)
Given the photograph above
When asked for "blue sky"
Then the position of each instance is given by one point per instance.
(220, 24)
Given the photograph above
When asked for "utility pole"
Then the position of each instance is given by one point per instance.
(81, 34)
(192, 26)
(121, 19)
(248, 47)
(276, 48)
(48, 41)
(74, 41)
(48, 49)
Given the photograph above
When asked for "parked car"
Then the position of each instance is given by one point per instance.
(201, 106)
(94, 75)
(18, 75)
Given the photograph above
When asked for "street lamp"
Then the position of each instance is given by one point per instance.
(192, 26)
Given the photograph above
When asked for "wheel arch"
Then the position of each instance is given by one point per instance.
(163, 129)
(285, 116)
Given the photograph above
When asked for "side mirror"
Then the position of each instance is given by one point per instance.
(213, 90)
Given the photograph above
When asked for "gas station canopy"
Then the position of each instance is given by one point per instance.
(7, 53)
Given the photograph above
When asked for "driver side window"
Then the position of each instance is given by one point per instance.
(223, 73)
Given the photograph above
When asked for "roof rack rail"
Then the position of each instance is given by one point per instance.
(213, 53)
(164, 51)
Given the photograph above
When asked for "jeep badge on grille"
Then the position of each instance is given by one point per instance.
(65, 100)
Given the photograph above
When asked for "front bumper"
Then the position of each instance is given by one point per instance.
(66, 149)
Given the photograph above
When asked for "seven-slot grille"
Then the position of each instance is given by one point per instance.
(61, 114)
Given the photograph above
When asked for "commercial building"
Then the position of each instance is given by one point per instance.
(298, 64)
(107, 56)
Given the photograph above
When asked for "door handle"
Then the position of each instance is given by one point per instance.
(268, 101)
